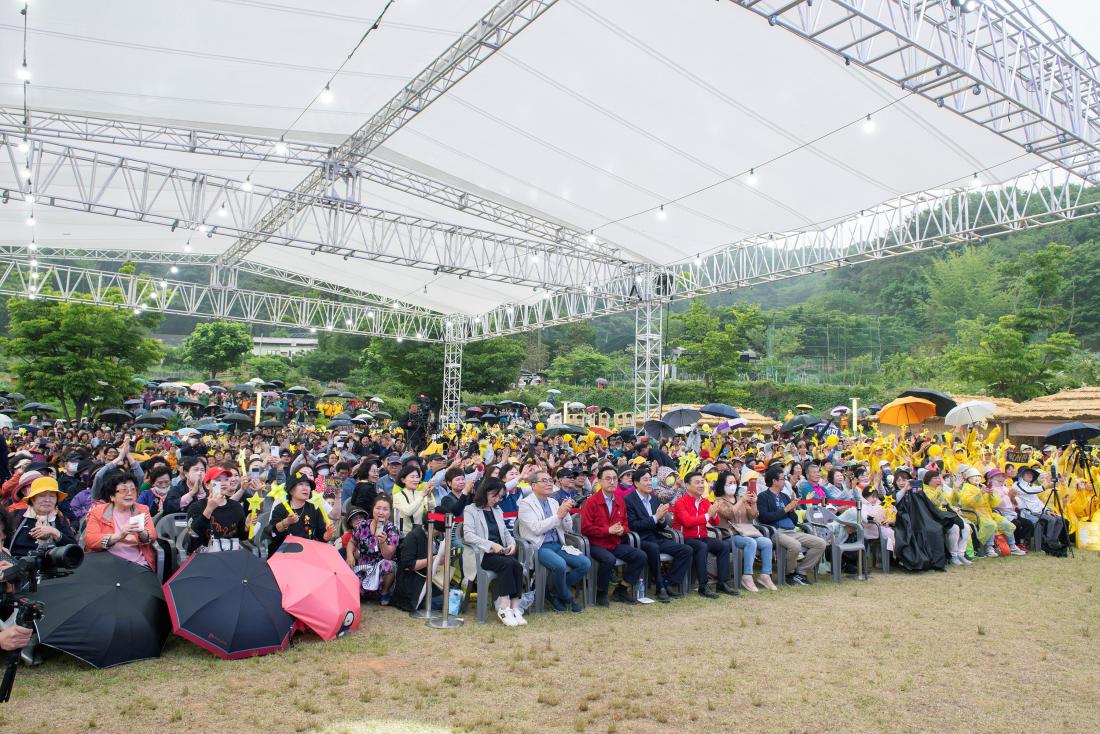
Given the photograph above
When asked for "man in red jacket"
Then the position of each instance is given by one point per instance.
(692, 514)
(603, 522)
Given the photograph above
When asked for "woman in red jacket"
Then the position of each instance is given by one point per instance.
(692, 514)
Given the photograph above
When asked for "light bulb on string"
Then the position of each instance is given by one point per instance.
(23, 146)
(280, 147)
(25, 172)
(223, 212)
(246, 185)
(662, 215)
(31, 221)
(23, 73)
(868, 125)
(591, 238)
(32, 246)
(173, 270)
(28, 197)
(325, 96)
(698, 260)
(976, 181)
(751, 179)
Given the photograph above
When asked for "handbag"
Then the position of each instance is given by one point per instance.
(1001, 544)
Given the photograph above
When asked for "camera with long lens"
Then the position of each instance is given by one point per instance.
(24, 574)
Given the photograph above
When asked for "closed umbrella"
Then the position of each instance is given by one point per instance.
(720, 409)
(318, 588)
(657, 429)
(941, 400)
(971, 411)
(908, 411)
(230, 604)
(107, 612)
(682, 417)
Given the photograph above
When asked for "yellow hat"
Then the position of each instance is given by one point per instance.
(637, 460)
(43, 485)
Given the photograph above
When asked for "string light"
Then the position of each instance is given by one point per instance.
(751, 179)
(24, 146)
(28, 197)
(698, 260)
(868, 125)
(976, 181)
(326, 95)
(246, 185)
(223, 212)
(280, 148)
(23, 73)
(31, 221)
(662, 215)
(173, 270)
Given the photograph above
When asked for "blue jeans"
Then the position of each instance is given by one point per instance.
(749, 547)
(557, 562)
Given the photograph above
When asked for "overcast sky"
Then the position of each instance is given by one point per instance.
(1081, 18)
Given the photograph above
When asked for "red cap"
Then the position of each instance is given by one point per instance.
(213, 473)
(704, 454)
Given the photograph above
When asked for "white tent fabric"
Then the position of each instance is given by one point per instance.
(598, 111)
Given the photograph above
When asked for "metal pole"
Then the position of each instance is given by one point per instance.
(446, 621)
(426, 612)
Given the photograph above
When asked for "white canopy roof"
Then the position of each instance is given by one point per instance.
(594, 116)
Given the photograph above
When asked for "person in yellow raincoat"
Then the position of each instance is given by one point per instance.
(943, 498)
(980, 499)
(1083, 505)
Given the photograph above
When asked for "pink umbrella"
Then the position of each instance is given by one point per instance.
(200, 387)
(158, 403)
(319, 590)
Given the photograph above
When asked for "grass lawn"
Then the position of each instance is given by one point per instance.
(975, 649)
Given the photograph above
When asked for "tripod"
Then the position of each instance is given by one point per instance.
(1079, 458)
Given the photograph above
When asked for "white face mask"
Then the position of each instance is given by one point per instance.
(323, 472)
(71, 466)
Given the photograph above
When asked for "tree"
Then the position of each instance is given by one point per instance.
(215, 346)
(712, 338)
(998, 357)
(581, 366)
(77, 353)
(271, 367)
(960, 286)
(491, 365)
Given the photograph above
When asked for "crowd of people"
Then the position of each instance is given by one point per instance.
(618, 518)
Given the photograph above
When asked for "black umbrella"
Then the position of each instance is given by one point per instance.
(564, 429)
(207, 428)
(165, 413)
(340, 423)
(382, 414)
(658, 429)
(721, 410)
(39, 407)
(278, 383)
(330, 393)
(874, 407)
(272, 423)
(348, 395)
(244, 387)
(475, 419)
(152, 418)
(134, 402)
(16, 396)
(230, 604)
(212, 383)
(188, 401)
(107, 612)
(799, 423)
(141, 425)
(628, 434)
(216, 388)
(1067, 433)
(115, 415)
(943, 401)
(9, 411)
(490, 417)
(298, 390)
(239, 418)
(682, 417)
(341, 417)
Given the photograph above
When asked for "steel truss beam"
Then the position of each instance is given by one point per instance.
(59, 282)
(66, 126)
(1005, 65)
(109, 185)
(908, 224)
(492, 32)
(648, 357)
(449, 409)
(159, 257)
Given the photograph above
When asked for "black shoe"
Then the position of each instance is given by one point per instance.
(574, 606)
(601, 600)
(662, 595)
(805, 579)
(705, 591)
(623, 596)
(729, 589)
(556, 604)
(793, 579)
(675, 594)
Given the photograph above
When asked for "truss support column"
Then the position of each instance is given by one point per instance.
(452, 376)
(648, 363)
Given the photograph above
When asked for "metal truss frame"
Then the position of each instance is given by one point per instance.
(492, 32)
(159, 136)
(449, 410)
(1004, 64)
(140, 292)
(109, 185)
(912, 223)
(168, 258)
(648, 357)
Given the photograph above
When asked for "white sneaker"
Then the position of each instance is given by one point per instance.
(955, 561)
(517, 614)
(507, 617)
(1017, 551)
(966, 561)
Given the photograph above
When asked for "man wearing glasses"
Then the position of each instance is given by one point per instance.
(776, 511)
(540, 523)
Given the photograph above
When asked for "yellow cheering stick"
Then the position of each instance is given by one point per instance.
(278, 494)
(255, 504)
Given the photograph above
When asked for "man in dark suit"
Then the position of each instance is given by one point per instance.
(649, 519)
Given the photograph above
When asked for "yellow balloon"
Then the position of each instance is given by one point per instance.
(935, 450)
(831, 440)
(540, 427)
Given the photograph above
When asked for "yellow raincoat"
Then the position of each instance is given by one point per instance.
(984, 506)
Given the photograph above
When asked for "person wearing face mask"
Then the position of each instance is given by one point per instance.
(649, 519)
(68, 481)
(41, 525)
(160, 482)
(954, 536)
(219, 517)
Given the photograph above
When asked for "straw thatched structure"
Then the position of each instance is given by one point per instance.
(1036, 417)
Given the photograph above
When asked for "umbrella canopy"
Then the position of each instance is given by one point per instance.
(164, 413)
(475, 409)
(318, 588)
(803, 406)
(341, 417)
(941, 400)
(473, 419)
(659, 430)
(157, 420)
(720, 409)
(731, 425)
(244, 387)
(682, 417)
(210, 427)
(42, 407)
(874, 407)
(116, 415)
(188, 402)
(340, 423)
(565, 429)
(546, 405)
(6, 421)
(348, 395)
(217, 388)
(490, 417)
(157, 403)
(382, 414)
(187, 431)
(107, 612)
(274, 409)
(134, 401)
(298, 390)
(272, 423)
(230, 604)
(200, 387)
(1075, 432)
(239, 418)
(600, 431)
(971, 411)
(553, 391)
(330, 393)
(575, 406)
(799, 423)
(377, 400)
(908, 411)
